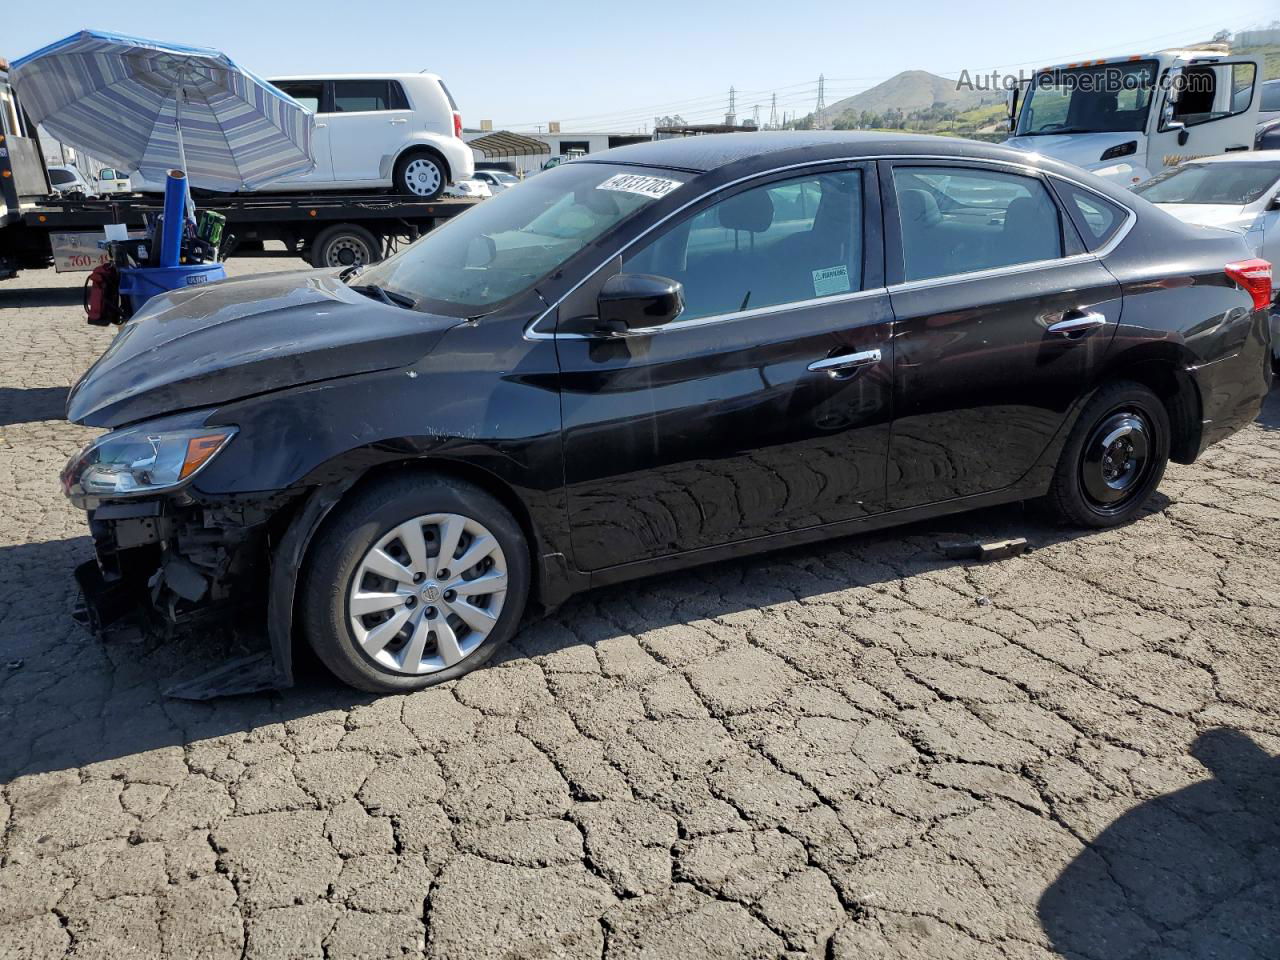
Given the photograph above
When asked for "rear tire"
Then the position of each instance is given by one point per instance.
(1114, 459)
(421, 175)
(345, 245)
(432, 621)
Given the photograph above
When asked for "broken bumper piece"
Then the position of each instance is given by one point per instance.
(176, 571)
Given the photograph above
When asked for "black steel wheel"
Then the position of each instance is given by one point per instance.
(1114, 458)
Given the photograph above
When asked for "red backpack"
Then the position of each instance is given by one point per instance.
(102, 296)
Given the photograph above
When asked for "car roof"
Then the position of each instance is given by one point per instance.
(764, 150)
(1241, 156)
(356, 76)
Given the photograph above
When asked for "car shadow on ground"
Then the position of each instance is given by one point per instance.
(32, 404)
(1194, 873)
(1269, 417)
(42, 296)
(67, 699)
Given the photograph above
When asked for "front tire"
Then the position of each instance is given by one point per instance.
(417, 580)
(421, 175)
(1114, 459)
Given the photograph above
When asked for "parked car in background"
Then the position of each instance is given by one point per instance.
(1270, 107)
(113, 181)
(68, 181)
(473, 187)
(400, 131)
(1239, 192)
(661, 355)
(497, 180)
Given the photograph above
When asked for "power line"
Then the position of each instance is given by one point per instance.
(704, 106)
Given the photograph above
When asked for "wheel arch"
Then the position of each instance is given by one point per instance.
(1164, 369)
(293, 549)
(422, 146)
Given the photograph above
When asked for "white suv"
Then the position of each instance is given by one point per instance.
(399, 130)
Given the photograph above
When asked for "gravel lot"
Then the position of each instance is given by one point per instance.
(859, 750)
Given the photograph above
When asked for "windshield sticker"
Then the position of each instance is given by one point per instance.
(654, 187)
(830, 280)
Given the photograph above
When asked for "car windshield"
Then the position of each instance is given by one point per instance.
(59, 177)
(505, 178)
(1228, 183)
(504, 246)
(1104, 99)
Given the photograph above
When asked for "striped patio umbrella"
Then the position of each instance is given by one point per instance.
(150, 106)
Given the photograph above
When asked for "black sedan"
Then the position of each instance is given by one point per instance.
(658, 356)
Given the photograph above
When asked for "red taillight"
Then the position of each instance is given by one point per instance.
(457, 124)
(1255, 277)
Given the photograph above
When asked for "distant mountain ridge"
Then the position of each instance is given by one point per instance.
(909, 91)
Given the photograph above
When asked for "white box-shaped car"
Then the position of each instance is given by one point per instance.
(377, 130)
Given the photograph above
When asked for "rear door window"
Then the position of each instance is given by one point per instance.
(360, 96)
(957, 220)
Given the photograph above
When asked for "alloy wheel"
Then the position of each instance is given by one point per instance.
(1117, 460)
(422, 176)
(427, 593)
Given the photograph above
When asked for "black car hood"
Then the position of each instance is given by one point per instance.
(238, 338)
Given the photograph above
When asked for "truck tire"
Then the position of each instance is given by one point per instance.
(345, 245)
(421, 174)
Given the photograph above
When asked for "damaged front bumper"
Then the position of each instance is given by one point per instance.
(167, 567)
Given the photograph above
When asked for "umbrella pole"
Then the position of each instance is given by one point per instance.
(179, 93)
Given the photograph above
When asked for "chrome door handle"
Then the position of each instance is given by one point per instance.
(845, 361)
(321, 126)
(1078, 325)
(399, 120)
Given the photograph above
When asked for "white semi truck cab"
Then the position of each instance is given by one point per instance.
(1133, 117)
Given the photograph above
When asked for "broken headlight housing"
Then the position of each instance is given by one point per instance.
(141, 460)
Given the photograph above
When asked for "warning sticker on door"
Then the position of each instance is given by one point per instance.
(830, 280)
(655, 187)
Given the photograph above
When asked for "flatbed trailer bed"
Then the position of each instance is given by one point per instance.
(327, 229)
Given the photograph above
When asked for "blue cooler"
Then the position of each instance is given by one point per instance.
(140, 284)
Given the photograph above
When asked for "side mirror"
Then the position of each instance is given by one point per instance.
(1275, 203)
(635, 301)
(1012, 103)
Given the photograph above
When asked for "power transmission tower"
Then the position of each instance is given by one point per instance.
(755, 115)
(773, 112)
(731, 118)
(819, 112)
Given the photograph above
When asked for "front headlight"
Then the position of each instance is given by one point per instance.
(141, 460)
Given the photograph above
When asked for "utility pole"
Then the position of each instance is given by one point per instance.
(731, 118)
(773, 112)
(819, 112)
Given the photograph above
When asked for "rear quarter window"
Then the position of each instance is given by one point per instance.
(1097, 218)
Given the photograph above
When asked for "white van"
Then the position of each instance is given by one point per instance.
(377, 130)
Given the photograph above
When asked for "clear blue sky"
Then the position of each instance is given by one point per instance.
(615, 65)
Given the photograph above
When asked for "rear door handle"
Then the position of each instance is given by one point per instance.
(845, 362)
(399, 120)
(1077, 324)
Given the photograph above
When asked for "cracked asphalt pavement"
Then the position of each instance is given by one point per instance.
(857, 750)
